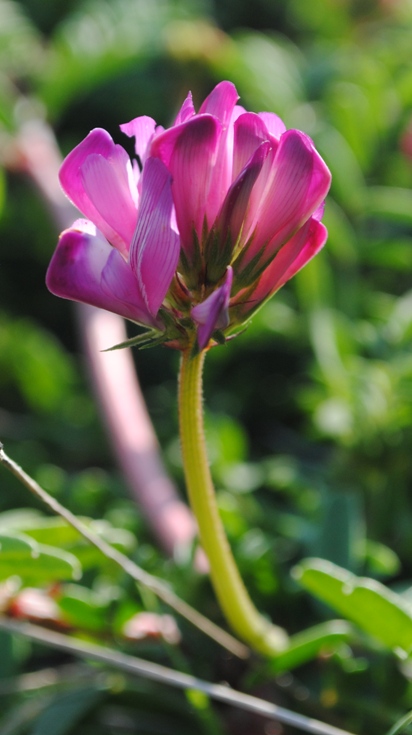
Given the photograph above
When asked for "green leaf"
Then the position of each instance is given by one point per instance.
(119, 538)
(305, 646)
(53, 531)
(57, 532)
(82, 609)
(14, 548)
(394, 253)
(391, 203)
(401, 724)
(375, 609)
(35, 563)
(65, 711)
(340, 531)
(380, 559)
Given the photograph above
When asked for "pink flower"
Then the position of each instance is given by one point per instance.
(225, 210)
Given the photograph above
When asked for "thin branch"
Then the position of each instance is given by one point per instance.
(134, 571)
(165, 675)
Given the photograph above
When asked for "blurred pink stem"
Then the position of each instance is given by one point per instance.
(112, 374)
(131, 432)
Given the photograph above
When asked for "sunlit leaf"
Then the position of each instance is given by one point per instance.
(35, 563)
(309, 644)
(372, 606)
(82, 608)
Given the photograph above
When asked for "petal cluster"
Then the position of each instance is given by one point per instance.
(215, 214)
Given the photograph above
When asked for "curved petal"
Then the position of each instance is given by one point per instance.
(79, 181)
(107, 183)
(142, 130)
(221, 102)
(275, 126)
(154, 252)
(281, 204)
(293, 256)
(189, 151)
(249, 133)
(230, 220)
(86, 268)
(119, 285)
(186, 111)
(213, 312)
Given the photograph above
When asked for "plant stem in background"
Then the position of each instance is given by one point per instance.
(233, 597)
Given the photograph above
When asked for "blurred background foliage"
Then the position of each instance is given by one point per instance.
(309, 412)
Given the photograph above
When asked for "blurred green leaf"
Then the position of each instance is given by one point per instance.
(309, 644)
(33, 562)
(389, 203)
(34, 360)
(57, 532)
(348, 183)
(102, 40)
(267, 70)
(394, 254)
(16, 548)
(65, 710)
(21, 48)
(373, 607)
(82, 608)
(380, 559)
(340, 531)
(401, 724)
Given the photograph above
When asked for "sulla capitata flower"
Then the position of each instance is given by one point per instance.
(213, 216)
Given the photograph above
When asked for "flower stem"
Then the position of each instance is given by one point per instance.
(233, 597)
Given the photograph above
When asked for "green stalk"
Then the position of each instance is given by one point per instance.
(233, 597)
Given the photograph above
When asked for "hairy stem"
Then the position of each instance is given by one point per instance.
(233, 597)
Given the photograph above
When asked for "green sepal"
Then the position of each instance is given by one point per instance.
(219, 337)
(146, 339)
(217, 257)
(248, 275)
(191, 270)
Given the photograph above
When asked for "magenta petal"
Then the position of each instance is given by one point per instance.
(285, 199)
(82, 189)
(213, 312)
(186, 111)
(77, 270)
(107, 182)
(221, 102)
(249, 132)
(142, 130)
(231, 217)
(275, 126)
(189, 151)
(293, 256)
(155, 248)
(119, 285)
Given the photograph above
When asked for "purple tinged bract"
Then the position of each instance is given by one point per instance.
(215, 214)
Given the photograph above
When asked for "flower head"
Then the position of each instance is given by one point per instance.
(214, 216)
